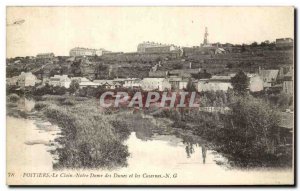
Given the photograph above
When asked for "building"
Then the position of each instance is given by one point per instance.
(284, 42)
(288, 85)
(152, 47)
(26, 79)
(215, 83)
(13, 81)
(175, 81)
(79, 51)
(159, 84)
(178, 83)
(256, 83)
(84, 82)
(220, 51)
(132, 83)
(108, 84)
(60, 80)
(45, 55)
(269, 77)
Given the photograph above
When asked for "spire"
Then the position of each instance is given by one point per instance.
(205, 41)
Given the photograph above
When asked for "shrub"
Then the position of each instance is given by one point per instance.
(13, 97)
(40, 105)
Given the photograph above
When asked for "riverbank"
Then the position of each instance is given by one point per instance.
(94, 137)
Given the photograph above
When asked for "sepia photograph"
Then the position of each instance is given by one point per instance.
(150, 96)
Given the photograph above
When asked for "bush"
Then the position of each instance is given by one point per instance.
(13, 97)
(40, 105)
(251, 130)
(89, 140)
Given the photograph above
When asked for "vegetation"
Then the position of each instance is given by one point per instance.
(13, 97)
(74, 86)
(90, 139)
(248, 134)
(240, 82)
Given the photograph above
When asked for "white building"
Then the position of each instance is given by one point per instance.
(256, 83)
(26, 79)
(108, 84)
(132, 83)
(214, 84)
(269, 77)
(78, 51)
(178, 83)
(160, 84)
(288, 85)
(84, 82)
(13, 81)
(152, 47)
(60, 80)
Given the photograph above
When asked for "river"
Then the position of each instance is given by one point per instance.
(31, 140)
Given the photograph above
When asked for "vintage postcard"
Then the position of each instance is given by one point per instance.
(150, 95)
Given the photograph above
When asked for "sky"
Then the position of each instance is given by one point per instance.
(58, 29)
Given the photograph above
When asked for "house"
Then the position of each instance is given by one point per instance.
(160, 84)
(256, 83)
(185, 73)
(132, 83)
(13, 81)
(84, 82)
(60, 80)
(100, 82)
(87, 84)
(220, 51)
(269, 77)
(108, 84)
(178, 83)
(121, 81)
(26, 79)
(215, 83)
(288, 85)
(175, 81)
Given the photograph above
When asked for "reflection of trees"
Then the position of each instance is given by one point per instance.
(143, 129)
(189, 149)
(204, 150)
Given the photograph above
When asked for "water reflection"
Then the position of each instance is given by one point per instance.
(25, 104)
(176, 148)
(204, 153)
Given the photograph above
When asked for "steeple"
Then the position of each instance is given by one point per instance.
(205, 41)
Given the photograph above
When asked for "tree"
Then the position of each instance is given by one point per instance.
(190, 87)
(254, 44)
(74, 86)
(265, 43)
(252, 128)
(240, 82)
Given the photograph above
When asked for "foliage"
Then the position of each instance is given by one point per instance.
(74, 86)
(13, 97)
(89, 140)
(251, 130)
(190, 87)
(240, 82)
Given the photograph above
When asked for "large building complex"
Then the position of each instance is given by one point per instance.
(152, 47)
(79, 51)
(284, 42)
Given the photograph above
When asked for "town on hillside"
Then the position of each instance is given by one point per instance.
(157, 66)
